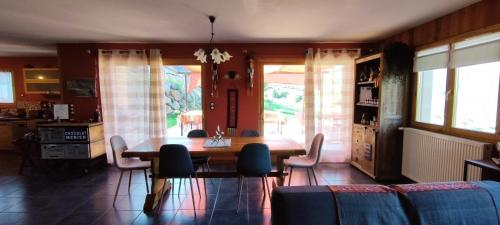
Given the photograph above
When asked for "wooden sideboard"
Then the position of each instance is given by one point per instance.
(72, 140)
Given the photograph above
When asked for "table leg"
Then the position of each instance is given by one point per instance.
(157, 189)
(280, 165)
(465, 170)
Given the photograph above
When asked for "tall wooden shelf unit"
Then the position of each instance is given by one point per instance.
(379, 111)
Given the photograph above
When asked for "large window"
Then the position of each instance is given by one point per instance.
(6, 88)
(469, 104)
(476, 97)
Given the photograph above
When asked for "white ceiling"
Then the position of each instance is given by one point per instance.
(33, 27)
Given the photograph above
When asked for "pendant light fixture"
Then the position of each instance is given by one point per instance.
(217, 57)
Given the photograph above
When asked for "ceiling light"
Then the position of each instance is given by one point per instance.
(216, 56)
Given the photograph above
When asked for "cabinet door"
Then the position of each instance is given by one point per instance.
(41, 81)
(53, 151)
(77, 151)
(367, 153)
(357, 153)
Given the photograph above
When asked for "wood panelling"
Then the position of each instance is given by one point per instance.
(471, 18)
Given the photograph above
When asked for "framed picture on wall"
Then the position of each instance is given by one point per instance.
(81, 87)
(232, 108)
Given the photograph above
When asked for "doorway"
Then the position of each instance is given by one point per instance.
(183, 96)
(283, 101)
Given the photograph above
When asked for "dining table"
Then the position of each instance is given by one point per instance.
(280, 149)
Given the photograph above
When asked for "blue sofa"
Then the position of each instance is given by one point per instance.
(457, 203)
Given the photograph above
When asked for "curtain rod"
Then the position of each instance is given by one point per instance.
(121, 51)
(338, 49)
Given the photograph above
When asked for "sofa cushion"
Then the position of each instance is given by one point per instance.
(303, 205)
(368, 204)
(494, 189)
(457, 203)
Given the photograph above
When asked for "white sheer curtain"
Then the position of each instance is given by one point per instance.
(132, 96)
(329, 101)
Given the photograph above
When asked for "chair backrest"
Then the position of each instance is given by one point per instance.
(254, 160)
(197, 134)
(175, 161)
(250, 133)
(316, 146)
(118, 145)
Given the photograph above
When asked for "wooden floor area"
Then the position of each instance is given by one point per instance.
(71, 198)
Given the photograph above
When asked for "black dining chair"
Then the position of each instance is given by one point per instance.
(254, 160)
(203, 160)
(249, 133)
(175, 162)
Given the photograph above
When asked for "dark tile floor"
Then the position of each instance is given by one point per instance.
(75, 200)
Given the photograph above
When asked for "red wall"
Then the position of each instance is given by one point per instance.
(76, 61)
(16, 65)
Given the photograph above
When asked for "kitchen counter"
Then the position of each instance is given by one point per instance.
(69, 124)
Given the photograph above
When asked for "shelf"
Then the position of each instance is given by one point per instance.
(41, 80)
(367, 125)
(368, 58)
(365, 82)
(367, 105)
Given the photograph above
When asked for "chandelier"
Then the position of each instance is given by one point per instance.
(216, 55)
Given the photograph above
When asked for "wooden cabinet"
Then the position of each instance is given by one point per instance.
(72, 140)
(379, 111)
(42, 81)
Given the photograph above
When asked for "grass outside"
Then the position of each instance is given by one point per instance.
(276, 107)
(172, 120)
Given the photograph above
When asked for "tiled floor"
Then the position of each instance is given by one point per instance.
(75, 200)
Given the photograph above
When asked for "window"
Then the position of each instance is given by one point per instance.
(473, 65)
(476, 91)
(431, 95)
(477, 65)
(6, 87)
(430, 65)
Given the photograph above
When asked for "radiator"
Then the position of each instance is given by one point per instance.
(433, 157)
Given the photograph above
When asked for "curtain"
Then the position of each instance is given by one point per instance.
(329, 101)
(132, 96)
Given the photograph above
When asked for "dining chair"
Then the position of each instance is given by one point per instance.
(118, 145)
(175, 162)
(308, 162)
(201, 161)
(249, 133)
(254, 160)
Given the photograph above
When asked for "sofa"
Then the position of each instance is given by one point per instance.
(454, 203)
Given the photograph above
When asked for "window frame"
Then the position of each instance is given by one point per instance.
(449, 113)
(4, 104)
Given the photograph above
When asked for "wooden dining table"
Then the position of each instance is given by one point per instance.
(280, 148)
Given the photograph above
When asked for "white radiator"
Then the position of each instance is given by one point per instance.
(433, 157)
